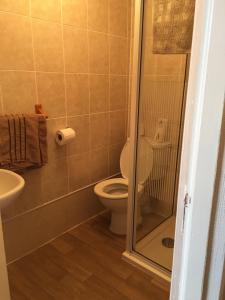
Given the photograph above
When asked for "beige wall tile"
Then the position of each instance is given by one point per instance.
(127, 125)
(51, 93)
(82, 141)
(47, 10)
(118, 55)
(148, 22)
(164, 64)
(99, 164)
(75, 12)
(98, 15)
(99, 130)
(130, 20)
(54, 182)
(147, 55)
(18, 91)
(118, 92)
(16, 45)
(15, 6)
(76, 50)
(98, 53)
(86, 159)
(79, 171)
(1, 102)
(99, 93)
(117, 127)
(19, 233)
(30, 197)
(48, 46)
(77, 94)
(131, 58)
(114, 158)
(118, 21)
(42, 185)
(54, 150)
(37, 190)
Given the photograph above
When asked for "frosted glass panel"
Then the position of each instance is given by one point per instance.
(160, 127)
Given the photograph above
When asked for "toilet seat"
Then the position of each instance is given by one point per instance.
(116, 188)
(144, 158)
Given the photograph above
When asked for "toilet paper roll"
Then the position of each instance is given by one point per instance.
(65, 136)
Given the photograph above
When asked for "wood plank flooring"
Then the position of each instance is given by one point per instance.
(83, 264)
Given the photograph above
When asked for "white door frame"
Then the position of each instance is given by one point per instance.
(4, 284)
(203, 117)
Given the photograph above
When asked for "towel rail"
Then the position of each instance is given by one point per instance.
(39, 110)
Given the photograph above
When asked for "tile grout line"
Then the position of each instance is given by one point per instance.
(64, 65)
(175, 77)
(89, 86)
(59, 23)
(131, 61)
(86, 114)
(1, 100)
(75, 73)
(56, 199)
(57, 236)
(31, 19)
(129, 64)
(65, 90)
(109, 86)
(33, 52)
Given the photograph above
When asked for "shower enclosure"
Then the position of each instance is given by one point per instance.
(157, 112)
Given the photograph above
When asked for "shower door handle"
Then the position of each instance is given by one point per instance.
(187, 201)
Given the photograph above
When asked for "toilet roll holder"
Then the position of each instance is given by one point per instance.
(59, 136)
(39, 110)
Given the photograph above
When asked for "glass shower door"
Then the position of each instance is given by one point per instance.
(161, 113)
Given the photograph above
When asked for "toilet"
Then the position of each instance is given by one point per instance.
(113, 193)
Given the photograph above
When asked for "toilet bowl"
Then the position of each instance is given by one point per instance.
(113, 193)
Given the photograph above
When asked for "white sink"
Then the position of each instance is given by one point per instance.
(11, 185)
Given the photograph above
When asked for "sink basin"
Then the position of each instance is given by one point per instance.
(11, 185)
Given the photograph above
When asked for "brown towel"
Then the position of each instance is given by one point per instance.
(23, 141)
(172, 26)
(5, 141)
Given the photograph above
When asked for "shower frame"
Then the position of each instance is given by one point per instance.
(130, 254)
(206, 83)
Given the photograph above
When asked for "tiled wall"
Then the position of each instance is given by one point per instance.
(72, 57)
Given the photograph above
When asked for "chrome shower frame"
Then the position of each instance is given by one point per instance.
(130, 254)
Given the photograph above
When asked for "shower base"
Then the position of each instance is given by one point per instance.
(152, 247)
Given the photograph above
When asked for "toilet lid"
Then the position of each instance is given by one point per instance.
(145, 160)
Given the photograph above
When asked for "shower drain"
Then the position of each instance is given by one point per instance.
(168, 242)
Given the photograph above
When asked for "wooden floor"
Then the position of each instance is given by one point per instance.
(83, 264)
